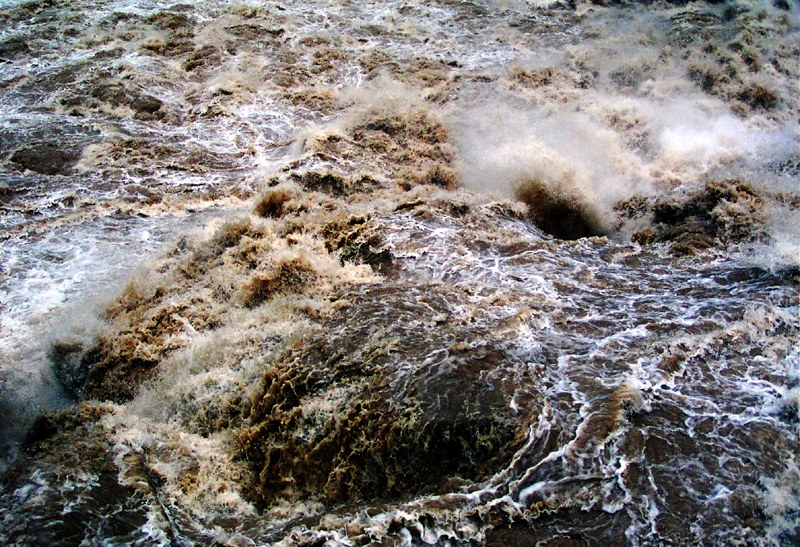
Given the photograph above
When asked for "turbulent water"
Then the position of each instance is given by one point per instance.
(403, 273)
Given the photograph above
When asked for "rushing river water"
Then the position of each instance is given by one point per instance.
(403, 273)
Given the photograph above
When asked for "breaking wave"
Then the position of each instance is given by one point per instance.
(491, 273)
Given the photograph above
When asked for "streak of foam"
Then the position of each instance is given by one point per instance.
(625, 344)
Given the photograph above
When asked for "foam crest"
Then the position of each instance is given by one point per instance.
(468, 272)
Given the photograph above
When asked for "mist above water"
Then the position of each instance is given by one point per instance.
(461, 272)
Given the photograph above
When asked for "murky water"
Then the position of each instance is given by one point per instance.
(340, 273)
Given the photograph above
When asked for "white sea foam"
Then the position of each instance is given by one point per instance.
(618, 353)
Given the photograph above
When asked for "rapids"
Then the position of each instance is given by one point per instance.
(446, 273)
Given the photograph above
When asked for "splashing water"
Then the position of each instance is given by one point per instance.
(354, 272)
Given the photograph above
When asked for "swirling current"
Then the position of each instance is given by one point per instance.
(350, 272)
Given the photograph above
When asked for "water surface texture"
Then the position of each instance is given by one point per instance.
(399, 273)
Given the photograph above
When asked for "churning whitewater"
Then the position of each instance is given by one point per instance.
(447, 273)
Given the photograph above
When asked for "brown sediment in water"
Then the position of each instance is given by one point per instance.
(13, 48)
(290, 252)
(377, 148)
(557, 212)
(145, 157)
(72, 450)
(331, 182)
(170, 20)
(396, 391)
(605, 417)
(334, 419)
(47, 158)
(358, 239)
(203, 57)
(274, 202)
(148, 326)
(721, 213)
(288, 275)
(340, 419)
(735, 66)
(110, 92)
(372, 336)
(201, 285)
